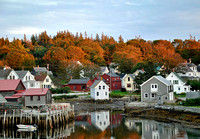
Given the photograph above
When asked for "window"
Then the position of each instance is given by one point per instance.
(13, 77)
(129, 85)
(166, 98)
(31, 98)
(128, 78)
(106, 93)
(185, 89)
(47, 80)
(74, 87)
(99, 87)
(26, 78)
(104, 123)
(100, 123)
(179, 88)
(32, 85)
(154, 87)
(146, 95)
(104, 87)
(175, 81)
(38, 97)
(153, 95)
(10, 77)
(29, 77)
(98, 117)
(97, 93)
(115, 85)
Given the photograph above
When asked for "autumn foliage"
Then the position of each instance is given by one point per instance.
(100, 50)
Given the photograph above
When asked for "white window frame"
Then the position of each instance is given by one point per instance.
(153, 89)
(152, 95)
(145, 95)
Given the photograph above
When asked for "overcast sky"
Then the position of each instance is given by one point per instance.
(151, 19)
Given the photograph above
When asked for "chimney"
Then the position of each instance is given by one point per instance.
(47, 66)
(190, 60)
(22, 68)
(142, 69)
(97, 76)
(70, 77)
(38, 66)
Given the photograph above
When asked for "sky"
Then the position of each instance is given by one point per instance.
(149, 19)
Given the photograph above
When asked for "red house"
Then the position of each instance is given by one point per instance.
(79, 84)
(114, 79)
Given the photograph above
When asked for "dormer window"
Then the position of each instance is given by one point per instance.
(128, 78)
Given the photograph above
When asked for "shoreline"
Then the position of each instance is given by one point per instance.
(174, 116)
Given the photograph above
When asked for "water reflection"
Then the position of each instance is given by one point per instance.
(61, 132)
(106, 124)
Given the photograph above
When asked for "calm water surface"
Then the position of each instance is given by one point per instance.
(104, 124)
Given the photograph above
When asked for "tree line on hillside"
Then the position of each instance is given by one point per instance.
(63, 48)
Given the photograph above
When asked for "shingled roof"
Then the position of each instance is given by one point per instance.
(78, 81)
(40, 77)
(4, 73)
(9, 85)
(21, 73)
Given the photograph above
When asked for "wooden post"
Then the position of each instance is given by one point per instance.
(38, 118)
(31, 118)
(13, 122)
(4, 118)
(21, 117)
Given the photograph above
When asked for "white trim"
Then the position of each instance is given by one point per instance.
(156, 78)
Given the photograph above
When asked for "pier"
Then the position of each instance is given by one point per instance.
(52, 116)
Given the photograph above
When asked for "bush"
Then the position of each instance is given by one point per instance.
(123, 89)
(64, 97)
(192, 102)
(60, 90)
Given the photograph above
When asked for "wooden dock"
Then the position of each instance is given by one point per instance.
(54, 116)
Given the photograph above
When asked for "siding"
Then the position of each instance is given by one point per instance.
(146, 88)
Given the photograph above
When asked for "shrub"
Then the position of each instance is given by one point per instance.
(192, 102)
(123, 89)
(64, 96)
(60, 90)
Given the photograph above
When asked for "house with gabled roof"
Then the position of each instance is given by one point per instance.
(6, 74)
(99, 90)
(11, 87)
(37, 97)
(188, 71)
(41, 70)
(79, 84)
(128, 82)
(28, 79)
(158, 90)
(179, 84)
(44, 81)
(112, 80)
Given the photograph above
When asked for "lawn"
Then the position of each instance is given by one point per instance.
(122, 94)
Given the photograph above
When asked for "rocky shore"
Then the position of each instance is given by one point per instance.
(120, 104)
(171, 115)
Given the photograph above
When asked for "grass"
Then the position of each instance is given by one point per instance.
(119, 94)
(195, 106)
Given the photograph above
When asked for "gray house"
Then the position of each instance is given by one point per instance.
(41, 70)
(157, 89)
(37, 97)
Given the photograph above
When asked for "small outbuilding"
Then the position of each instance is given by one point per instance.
(99, 90)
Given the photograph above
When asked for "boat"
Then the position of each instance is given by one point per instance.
(29, 127)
